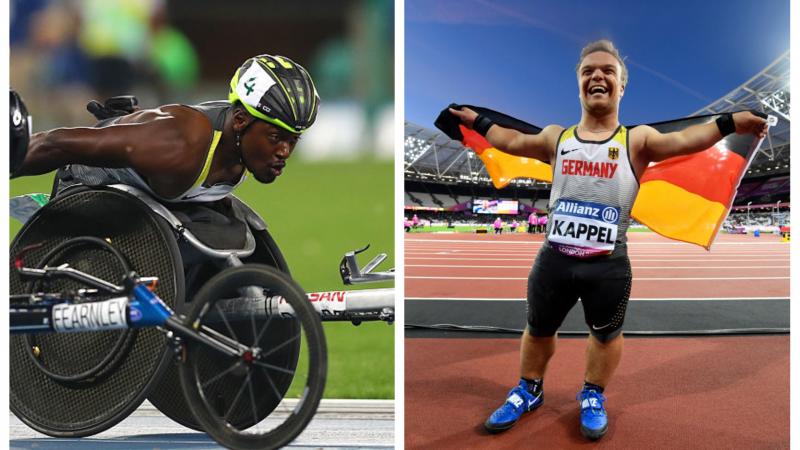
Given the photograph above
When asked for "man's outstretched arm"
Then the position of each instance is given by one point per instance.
(538, 146)
(658, 146)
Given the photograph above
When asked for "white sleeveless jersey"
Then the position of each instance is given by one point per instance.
(593, 191)
(199, 192)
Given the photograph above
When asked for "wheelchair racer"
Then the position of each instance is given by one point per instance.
(186, 153)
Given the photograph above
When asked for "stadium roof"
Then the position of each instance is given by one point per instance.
(432, 156)
(767, 91)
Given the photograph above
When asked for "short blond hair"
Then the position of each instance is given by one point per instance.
(604, 45)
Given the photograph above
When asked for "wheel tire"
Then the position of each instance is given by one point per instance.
(214, 416)
(94, 404)
(167, 395)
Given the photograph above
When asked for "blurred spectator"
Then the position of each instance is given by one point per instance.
(334, 63)
(48, 59)
(21, 13)
(171, 57)
(115, 35)
(498, 226)
(543, 223)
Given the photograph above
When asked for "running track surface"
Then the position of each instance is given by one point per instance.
(497, 266)
(698, 393)
(701, 393)
(367, 424)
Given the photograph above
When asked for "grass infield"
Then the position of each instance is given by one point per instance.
(316, 212)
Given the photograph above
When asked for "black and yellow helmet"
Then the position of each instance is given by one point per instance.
(19, 131)
(277, 90)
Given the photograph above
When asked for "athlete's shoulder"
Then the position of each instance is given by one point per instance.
(553, 128)
(193, 125)
(638, 136)
(641, 130)
(552, 132)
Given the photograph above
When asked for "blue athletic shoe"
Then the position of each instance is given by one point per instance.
(519, 401)
(594, 422)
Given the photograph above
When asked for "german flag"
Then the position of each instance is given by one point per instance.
(501, 167)
(685, 198)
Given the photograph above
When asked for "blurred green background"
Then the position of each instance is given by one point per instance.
(316, 212)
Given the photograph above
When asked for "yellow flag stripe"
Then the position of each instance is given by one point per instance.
(503, 168)
(676, 213)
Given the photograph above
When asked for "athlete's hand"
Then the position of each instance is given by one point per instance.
(749, 123)
(465, 115)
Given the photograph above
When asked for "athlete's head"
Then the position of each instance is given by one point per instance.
(602, 77)
(277, 102)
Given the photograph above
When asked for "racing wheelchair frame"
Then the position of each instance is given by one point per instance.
(244, 361)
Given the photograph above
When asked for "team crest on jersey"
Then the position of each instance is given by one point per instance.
(613, 152)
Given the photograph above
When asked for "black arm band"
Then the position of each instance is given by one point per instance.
(482, 124)
(725, 124)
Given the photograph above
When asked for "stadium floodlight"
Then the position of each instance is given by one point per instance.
(766, 91)
(748, 212)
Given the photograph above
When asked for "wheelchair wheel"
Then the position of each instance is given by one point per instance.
(228, 398)
(79, 384)
(167, 395)
(45, 351)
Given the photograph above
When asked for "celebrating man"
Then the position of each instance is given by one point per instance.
(596, 167)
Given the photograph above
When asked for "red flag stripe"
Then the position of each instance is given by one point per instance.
(713, 174)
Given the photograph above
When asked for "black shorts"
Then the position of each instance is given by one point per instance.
(557, 281)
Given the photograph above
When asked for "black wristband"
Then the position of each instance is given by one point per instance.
(482, 124)
(725, 124)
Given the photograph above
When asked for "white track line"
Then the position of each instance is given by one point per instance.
(464, 254)
(632, 259)
(634, 279)
(715, 299)
(630, 243)
(648, 252)
(635, 267)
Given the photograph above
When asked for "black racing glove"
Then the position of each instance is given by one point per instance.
(114, 107)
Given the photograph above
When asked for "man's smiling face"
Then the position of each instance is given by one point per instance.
(600, 83)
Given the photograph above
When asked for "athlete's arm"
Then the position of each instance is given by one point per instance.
(149, 141)
(538, 146)
(658, 147)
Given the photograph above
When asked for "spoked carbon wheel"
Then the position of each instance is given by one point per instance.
(229, 398)
(50, 352)
(79, 384)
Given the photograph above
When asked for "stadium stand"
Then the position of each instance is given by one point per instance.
(443, 168)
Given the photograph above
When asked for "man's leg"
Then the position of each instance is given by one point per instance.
(535, 353)
(605, 301)
(602, 359)
(551, 295)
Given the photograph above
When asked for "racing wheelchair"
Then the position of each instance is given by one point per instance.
(117, 298)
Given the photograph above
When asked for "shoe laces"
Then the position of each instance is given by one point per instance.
(591, 401)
